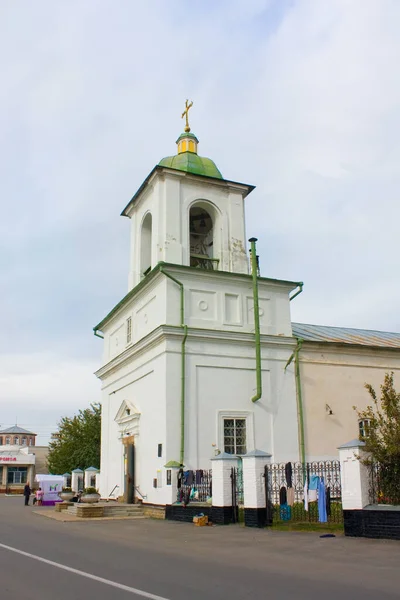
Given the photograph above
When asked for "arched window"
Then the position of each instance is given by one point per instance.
(31, 441)
(16, 441)
(201, 230)
(24, 440)
(8, 441)
(145, 245)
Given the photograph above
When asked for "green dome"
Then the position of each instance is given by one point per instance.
(191, 163)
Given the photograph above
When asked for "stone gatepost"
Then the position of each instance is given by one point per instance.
(171, 481)
(255, 505)
(76, 480)
(354, 476)
(90, 474)
(67, 480)
(222, 510)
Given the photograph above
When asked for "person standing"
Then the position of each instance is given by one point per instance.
(27, 493)
(39, 497)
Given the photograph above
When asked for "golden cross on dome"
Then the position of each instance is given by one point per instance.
(188, 106)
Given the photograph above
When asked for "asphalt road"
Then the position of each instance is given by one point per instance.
(181, 562)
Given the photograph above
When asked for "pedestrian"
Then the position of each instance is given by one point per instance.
(39, 497)
(27, 493)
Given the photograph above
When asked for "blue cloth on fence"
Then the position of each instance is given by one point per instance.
(285, 512)
(322, 516)
(313, 483)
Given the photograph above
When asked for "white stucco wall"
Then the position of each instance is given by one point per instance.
(168, 196)
(220, 375)
(335, 375)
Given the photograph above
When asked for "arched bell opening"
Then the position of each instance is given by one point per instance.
(145, 246)
(201, 231)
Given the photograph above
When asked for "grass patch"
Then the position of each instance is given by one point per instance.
(304, 526)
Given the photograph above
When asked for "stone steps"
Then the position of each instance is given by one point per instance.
(99, 510)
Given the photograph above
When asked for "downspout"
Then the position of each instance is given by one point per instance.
(98, 334)
(299, 399)
(300, 286)
(183, 362)
(254, 268)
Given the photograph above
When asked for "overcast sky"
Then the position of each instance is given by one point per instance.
(300, 98)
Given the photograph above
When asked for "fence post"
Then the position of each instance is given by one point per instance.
(222, 488)
(255, 506)
(76, 480)
(354, 476)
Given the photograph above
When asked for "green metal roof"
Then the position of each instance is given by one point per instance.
(187, 134)
(192, 163)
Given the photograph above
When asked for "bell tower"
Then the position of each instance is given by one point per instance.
(186, 213)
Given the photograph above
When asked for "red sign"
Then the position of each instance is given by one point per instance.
(8, 458)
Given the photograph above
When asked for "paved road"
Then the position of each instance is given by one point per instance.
(181, 562)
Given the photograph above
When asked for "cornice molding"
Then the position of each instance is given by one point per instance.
(163, 333)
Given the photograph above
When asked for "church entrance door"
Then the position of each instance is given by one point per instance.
(129, 484)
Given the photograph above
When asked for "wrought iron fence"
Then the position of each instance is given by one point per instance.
(285, 491)
(384, 483)
(195, 486)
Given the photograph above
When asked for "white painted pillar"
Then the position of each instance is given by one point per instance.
(221, 479)
(354, 476)
(88, 475)
(170, 477)
(255, 513)
(76, 477)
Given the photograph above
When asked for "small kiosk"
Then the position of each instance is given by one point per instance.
(51, 485)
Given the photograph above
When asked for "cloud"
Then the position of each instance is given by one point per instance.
(37, 389)
(297, 97)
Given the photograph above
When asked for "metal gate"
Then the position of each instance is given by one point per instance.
(285, 491)
(237, 490)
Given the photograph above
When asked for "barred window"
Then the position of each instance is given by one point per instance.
(8, 441)
(235, 436)
(363, 427)
(129, 330)
(16, 441)
(24, 440)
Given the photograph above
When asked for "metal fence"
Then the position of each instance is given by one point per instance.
(285, 491)
(195, 486)
(384, 483)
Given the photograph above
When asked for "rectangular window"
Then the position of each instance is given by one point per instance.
(17, 474)
(363, 427)
(129, 330)
(235, 436)
(159, 450)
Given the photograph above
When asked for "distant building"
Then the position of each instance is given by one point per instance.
(20, 459)
(16, 436)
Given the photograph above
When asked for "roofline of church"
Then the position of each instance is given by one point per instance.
(216, 180)
(156, 270)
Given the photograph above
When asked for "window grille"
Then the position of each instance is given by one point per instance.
(363, 427)
(235, 436)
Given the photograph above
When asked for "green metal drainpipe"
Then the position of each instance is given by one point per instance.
(299, 398)
(183, 362)
(254, 268)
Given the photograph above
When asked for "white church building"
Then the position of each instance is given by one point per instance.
(180, 377)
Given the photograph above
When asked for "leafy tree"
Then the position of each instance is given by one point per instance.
(382, 437)
(78, 443)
